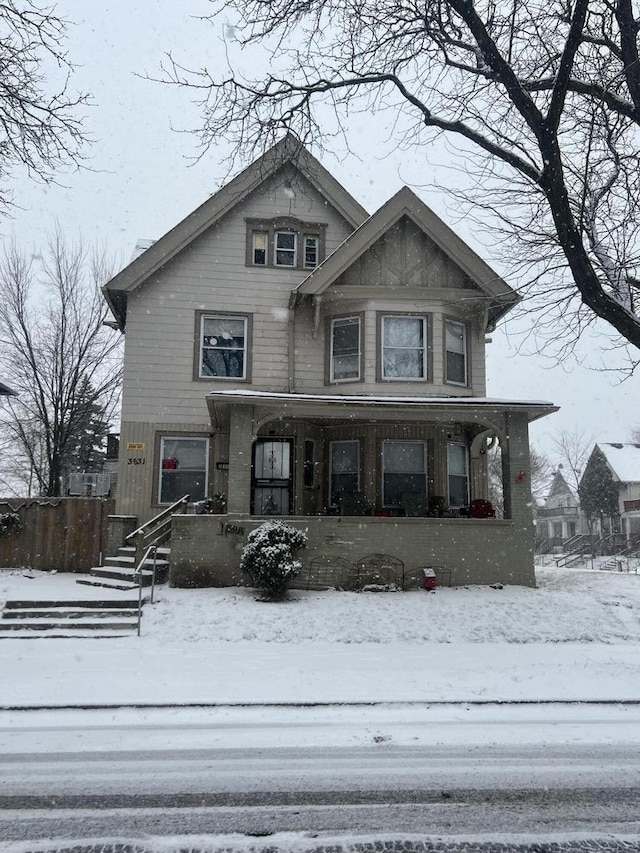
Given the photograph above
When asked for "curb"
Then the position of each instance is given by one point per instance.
(472, 703)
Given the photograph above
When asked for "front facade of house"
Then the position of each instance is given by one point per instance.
(561, 518)
(312, 362)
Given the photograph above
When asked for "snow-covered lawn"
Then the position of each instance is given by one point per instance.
(575, 637)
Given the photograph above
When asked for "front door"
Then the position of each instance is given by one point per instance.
(272, 477)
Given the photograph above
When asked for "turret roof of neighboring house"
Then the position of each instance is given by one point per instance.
(623, 459)
(560, 493)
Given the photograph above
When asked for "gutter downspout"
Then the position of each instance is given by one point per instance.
(291, 336)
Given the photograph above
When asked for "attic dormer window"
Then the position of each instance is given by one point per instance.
(285, 242)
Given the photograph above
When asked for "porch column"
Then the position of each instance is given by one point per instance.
(240, 442)
(516, 470)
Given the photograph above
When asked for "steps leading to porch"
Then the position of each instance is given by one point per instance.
(118, 572)
(71, 618)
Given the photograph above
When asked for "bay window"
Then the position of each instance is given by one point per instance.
(455, 344)
(403, 347)
(344, 349)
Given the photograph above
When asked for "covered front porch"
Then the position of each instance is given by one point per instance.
(363, 474)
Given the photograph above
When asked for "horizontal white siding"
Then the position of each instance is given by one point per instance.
(210, 275)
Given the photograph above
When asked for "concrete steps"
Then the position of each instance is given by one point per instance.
(118, 572)
(73, 618)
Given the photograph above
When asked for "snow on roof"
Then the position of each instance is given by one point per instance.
(624, 460)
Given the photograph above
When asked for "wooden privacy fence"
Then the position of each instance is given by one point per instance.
(67, 534)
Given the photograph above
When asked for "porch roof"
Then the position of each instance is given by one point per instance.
(361, 405)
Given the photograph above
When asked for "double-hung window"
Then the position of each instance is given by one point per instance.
(285, 248)
(458, 474)
(311, 250)
(345, 349)
(404, 347)
(285, 242)
(223, 346)
(345, 470)
(404, 472)
(455, 344)
(183, 468)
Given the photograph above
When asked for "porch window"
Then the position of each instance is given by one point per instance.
(455, 341)
(345, 349)
(223, 343)
(458, 473)
(345, 470)
(404, 472)
(183, 468)
(404, 347)
(285, 248)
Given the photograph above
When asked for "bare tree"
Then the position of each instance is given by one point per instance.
(56, 353)
(541, 99)
(40, 126)
(540, 473)
(572, 449)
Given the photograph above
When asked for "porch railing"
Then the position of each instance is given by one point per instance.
(157, 530)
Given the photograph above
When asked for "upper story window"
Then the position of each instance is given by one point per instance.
(311, 247)
(455, 356)
(403, 346)
(284, 242)
(223, 346)
(345, 355)
(260, 240)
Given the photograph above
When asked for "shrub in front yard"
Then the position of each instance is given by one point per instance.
(269, 557)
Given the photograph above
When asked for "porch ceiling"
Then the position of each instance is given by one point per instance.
(374, 408)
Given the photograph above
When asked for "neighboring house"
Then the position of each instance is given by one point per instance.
(5, 391)
(560, 518)
(310, 361)
(611, 485)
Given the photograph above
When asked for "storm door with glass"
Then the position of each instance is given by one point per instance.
(271, 489)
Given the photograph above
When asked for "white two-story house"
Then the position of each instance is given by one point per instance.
(312, 362)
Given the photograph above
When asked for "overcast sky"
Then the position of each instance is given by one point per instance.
(142, 181)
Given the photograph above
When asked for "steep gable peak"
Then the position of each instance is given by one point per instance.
(405, 203)
(288, 152)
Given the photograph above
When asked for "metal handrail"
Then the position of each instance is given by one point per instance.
(139, 572)
(157, 528)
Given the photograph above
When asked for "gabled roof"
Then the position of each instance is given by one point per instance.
(288, 150)
(560, 493)
(5, 391)
(623, 459)
(406, 203)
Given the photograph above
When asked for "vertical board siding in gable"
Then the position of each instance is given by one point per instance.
(211, 275)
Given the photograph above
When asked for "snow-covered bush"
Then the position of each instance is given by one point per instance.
(268, 557)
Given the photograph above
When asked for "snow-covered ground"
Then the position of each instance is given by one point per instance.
(575, 637)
